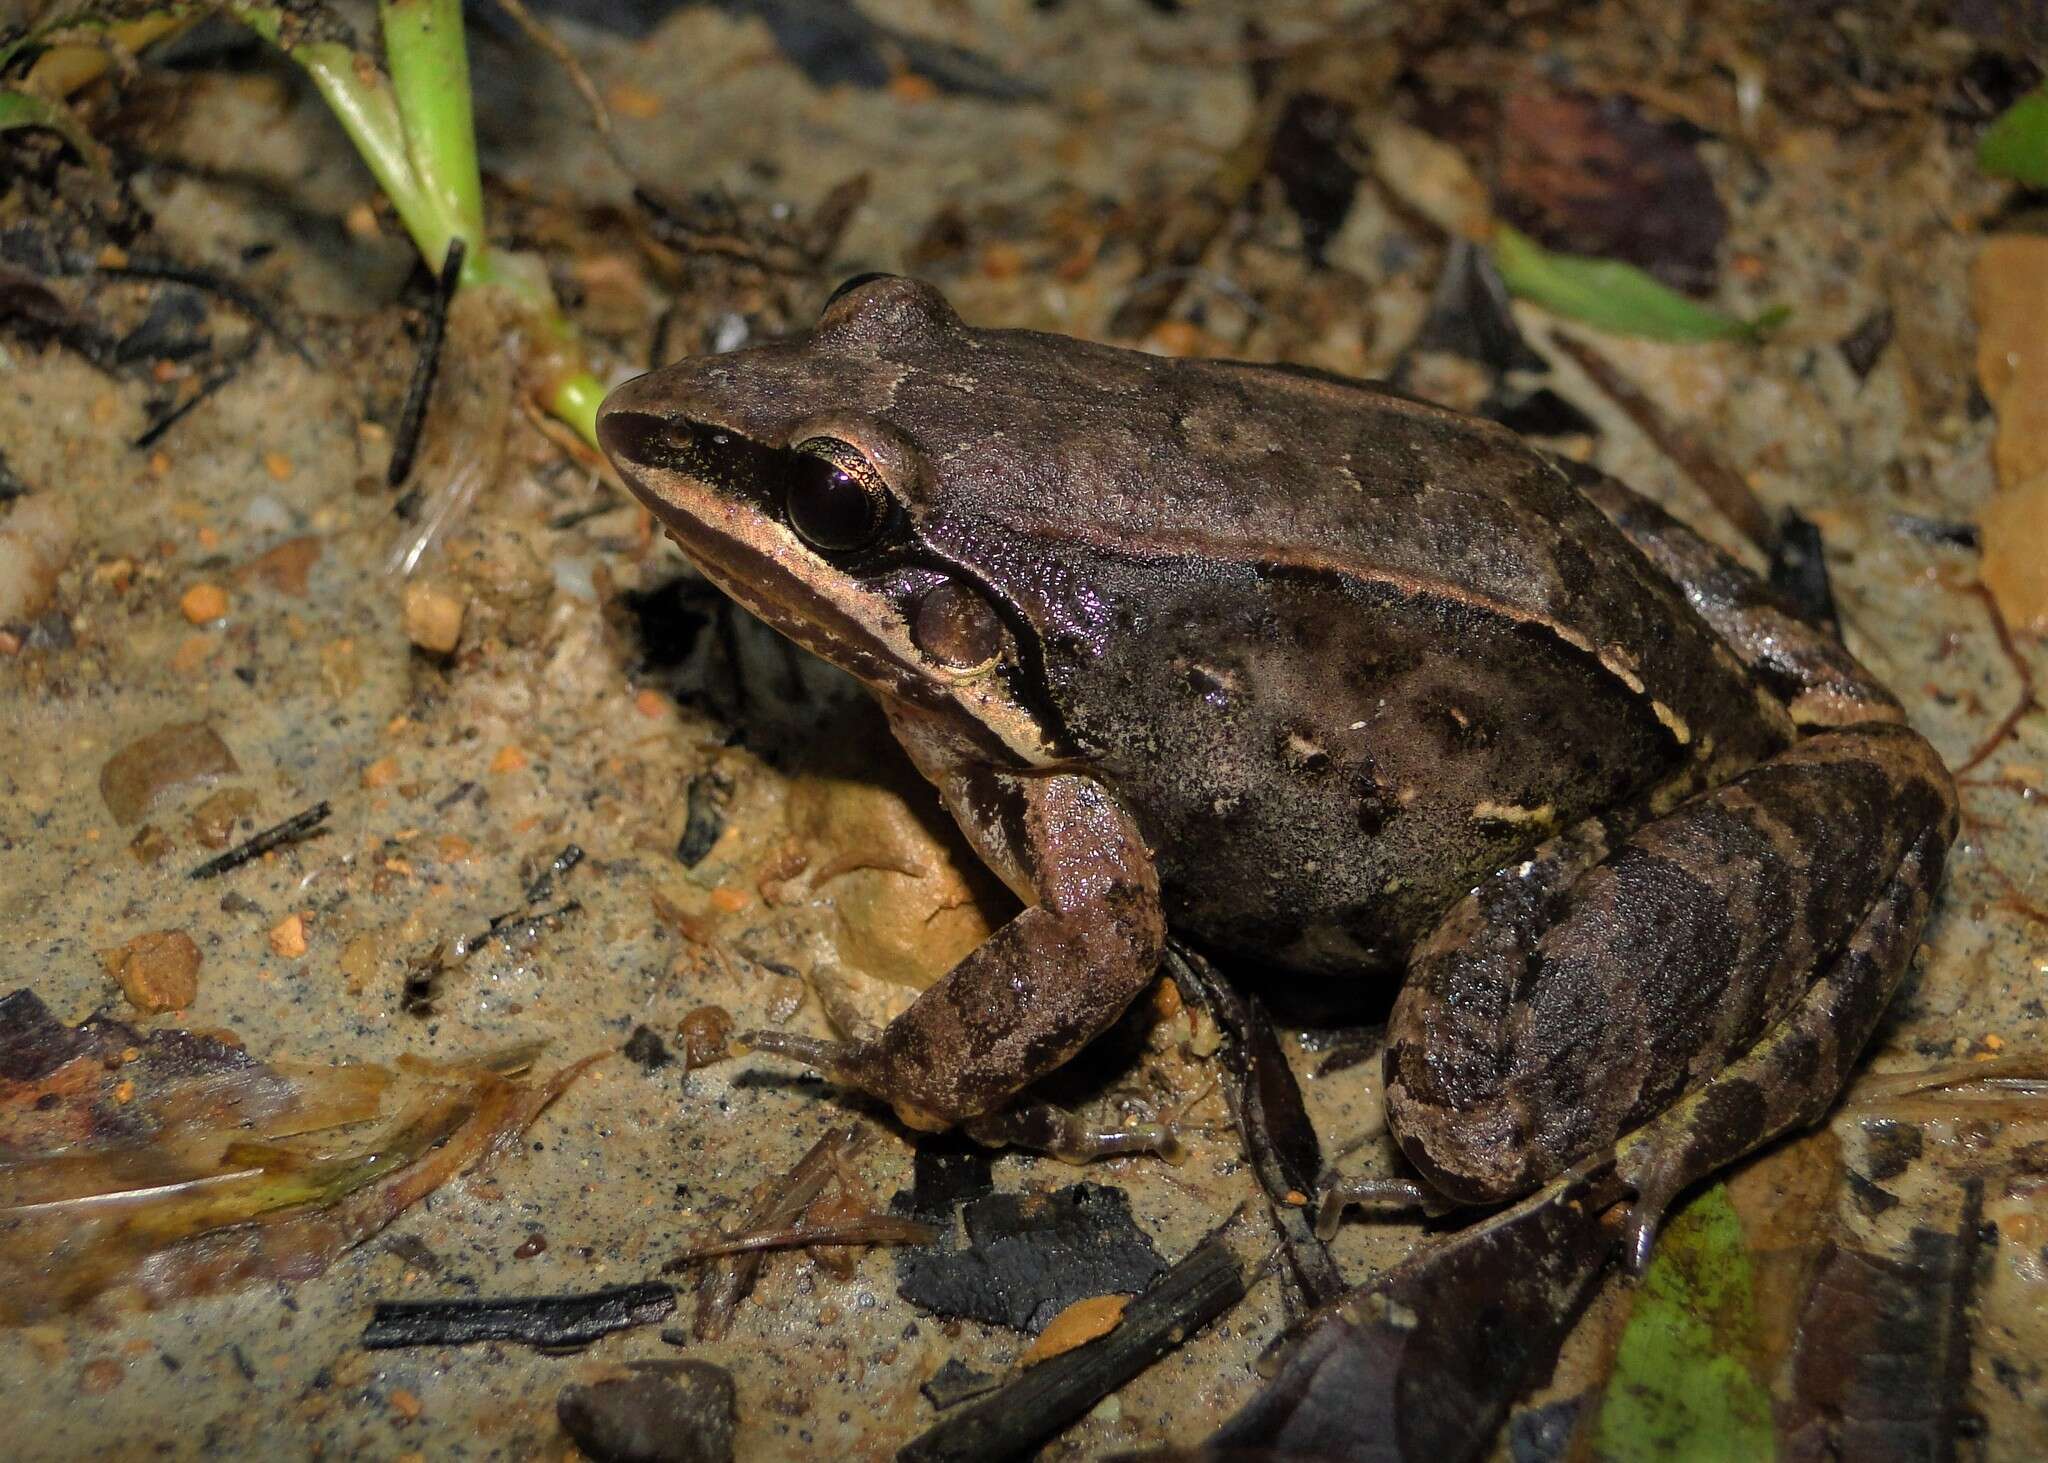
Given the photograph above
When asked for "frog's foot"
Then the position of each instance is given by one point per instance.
(1397, 1196)
(1702, 988)
(855, 1064)
(1039, 1126)
(1044, 1128)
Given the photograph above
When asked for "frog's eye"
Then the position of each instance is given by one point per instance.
(956, 628)
(836, 501)
(851, 283)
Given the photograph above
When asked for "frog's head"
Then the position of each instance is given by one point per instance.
(805, 478)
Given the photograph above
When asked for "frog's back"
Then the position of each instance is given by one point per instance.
(1342, 652)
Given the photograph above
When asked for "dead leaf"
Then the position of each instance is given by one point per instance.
(1077, 1325)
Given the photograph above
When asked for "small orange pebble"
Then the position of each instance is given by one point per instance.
(202, 604)
(124, 1092)
(209, 538)
(278, 466)
(112, 256)
(97, 1378)
(165, 372)
(1166, 1001)
(1080, 1323)
(159, 464)
(633, 101)
(453, 847)
(1296, 1197)
(193, 653)
(1002, 260)
(510, 758)
(728, 900)
(288, 936)
(1994, 1042)
(909, 87)
(361, 222)
(650, 704)
(381, 773)
(406, 1404)
(1182, 338)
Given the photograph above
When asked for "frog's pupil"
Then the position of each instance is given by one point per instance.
(831, 508)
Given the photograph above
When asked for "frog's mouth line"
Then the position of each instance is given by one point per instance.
(712, 498)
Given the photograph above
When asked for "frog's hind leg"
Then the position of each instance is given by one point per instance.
(1820, 683)
(1793, 1074)
(1701, 982)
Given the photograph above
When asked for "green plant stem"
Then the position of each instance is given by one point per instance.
(574, 400)
(369, 114)
(429, 60)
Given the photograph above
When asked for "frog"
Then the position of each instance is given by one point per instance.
(1333, 684)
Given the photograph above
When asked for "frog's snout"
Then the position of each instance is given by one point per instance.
(630, 423)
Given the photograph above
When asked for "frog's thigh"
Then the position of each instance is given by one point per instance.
(1045, 984)
(1569, 1001)
(1819, 681)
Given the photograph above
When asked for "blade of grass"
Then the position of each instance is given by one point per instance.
(1615, 297)
(429, 60)
(2016, 145)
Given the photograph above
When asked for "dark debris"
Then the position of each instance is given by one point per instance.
(1028, 1257)
(535, 1320)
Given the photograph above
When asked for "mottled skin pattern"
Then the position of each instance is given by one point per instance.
(1329, 680)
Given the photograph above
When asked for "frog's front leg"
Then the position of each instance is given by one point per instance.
(1036, 991)
(1703, 982)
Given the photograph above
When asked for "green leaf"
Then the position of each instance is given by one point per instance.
(1615, 297)
(2016, 145)
(26, 109)
(1686, 1375)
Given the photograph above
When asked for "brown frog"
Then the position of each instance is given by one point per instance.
(1325, 680)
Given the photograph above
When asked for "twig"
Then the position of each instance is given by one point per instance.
(870, 1229)
(1050, 1397)
(290, 830)
(547, 40)
(1265, 1102)
(1699, 462)
(512, 925)
(171, 271)
(724, 1286)
(406, 445)
(544, 883)
(222, 374)
(547, 1320)
(2025, 672)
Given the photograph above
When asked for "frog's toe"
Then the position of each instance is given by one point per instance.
(1044, 1128)
(830, 1057)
